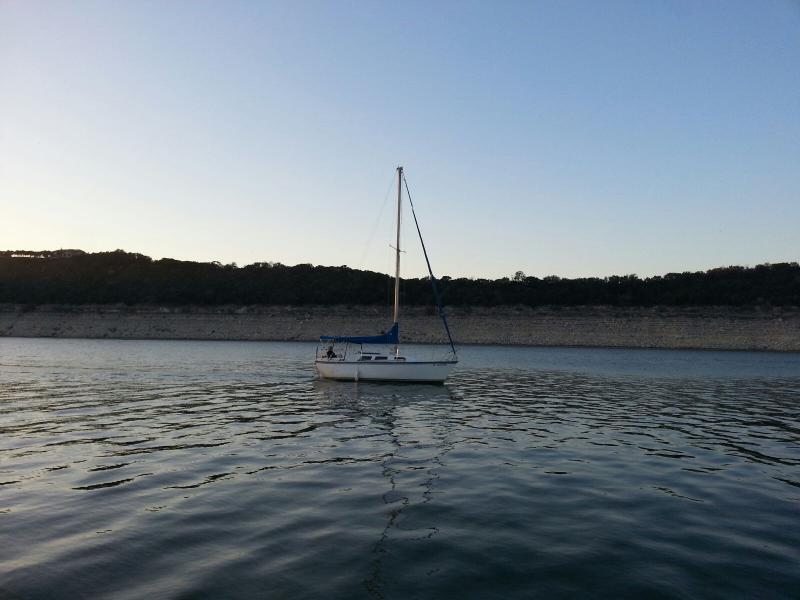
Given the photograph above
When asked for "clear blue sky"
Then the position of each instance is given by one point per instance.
(569, 138)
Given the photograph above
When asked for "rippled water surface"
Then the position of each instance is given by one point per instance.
(227, 470)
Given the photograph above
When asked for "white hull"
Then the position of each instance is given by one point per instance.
(406, 370)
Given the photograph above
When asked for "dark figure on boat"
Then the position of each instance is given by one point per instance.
(330, 353)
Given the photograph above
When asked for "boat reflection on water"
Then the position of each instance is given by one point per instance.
(412, 464)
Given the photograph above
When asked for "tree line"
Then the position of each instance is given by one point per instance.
(77, 277)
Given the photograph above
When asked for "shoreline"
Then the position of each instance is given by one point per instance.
(698, 328)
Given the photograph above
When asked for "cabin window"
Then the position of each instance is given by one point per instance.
(381, 358)
(365, 358)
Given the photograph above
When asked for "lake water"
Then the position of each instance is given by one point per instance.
(145, 469)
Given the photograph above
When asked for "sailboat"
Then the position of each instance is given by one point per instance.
(379, 357)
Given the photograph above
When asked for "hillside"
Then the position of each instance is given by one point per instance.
(74, 277)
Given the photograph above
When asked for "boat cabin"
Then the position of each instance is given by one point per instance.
(331, 351)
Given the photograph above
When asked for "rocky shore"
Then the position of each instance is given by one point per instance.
(721, 328)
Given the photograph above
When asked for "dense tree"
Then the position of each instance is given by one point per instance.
(76, 277)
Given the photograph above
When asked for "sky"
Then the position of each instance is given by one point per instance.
(561, 138)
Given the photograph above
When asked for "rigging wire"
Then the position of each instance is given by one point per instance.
(375, 226)
(436, 295)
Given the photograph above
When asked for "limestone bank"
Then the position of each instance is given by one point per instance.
(722, 328)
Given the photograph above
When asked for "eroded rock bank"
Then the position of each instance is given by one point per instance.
(722, 328)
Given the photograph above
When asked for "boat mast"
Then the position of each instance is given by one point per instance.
(397, 247)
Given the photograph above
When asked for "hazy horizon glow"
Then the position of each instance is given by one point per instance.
(576, 139)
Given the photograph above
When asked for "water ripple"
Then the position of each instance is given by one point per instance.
(146, 469)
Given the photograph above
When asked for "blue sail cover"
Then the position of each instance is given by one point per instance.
(390, 337)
